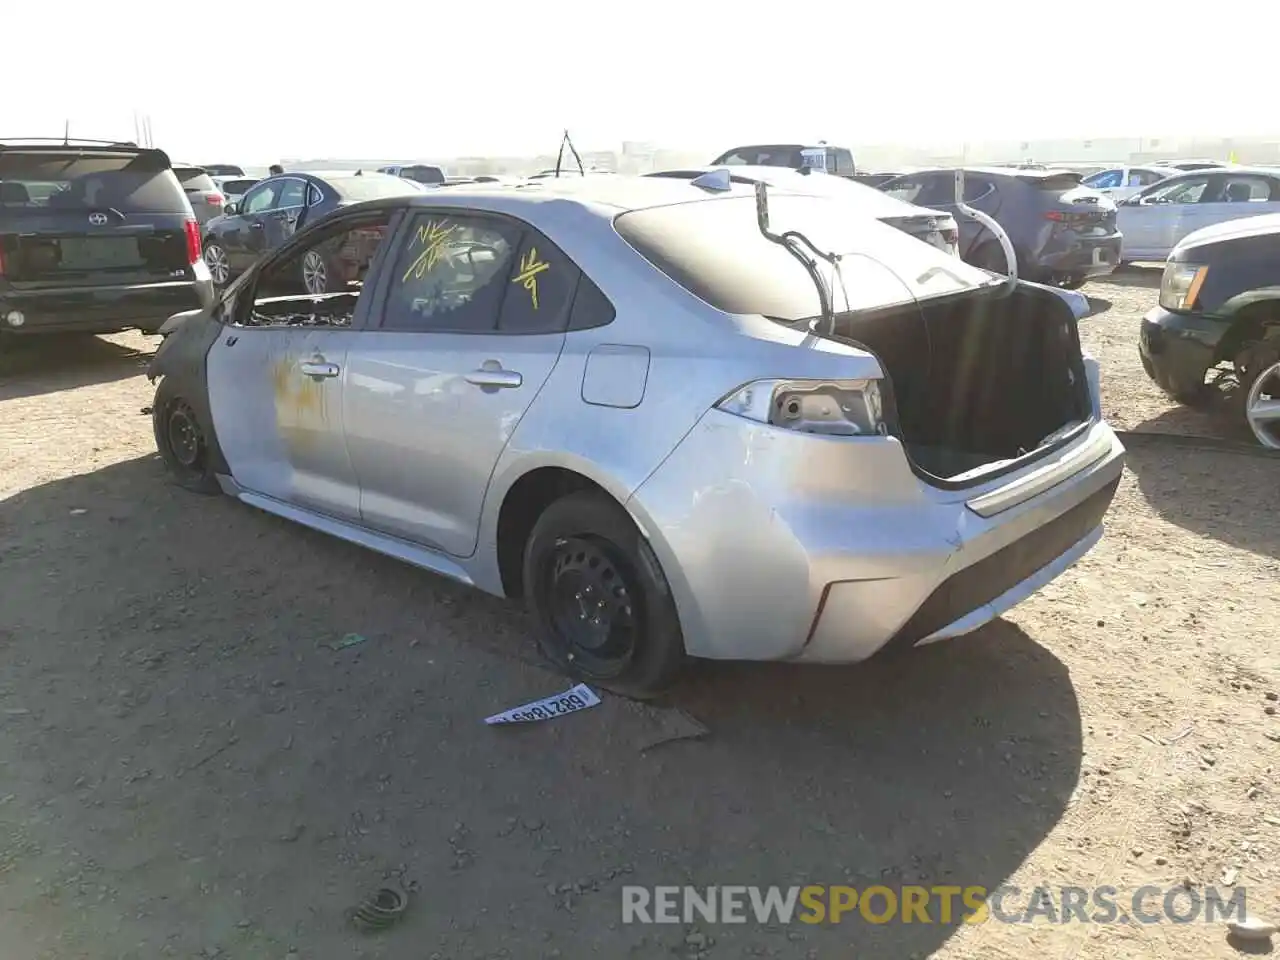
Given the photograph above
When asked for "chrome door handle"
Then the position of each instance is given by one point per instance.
(318, 369)
(495, 378)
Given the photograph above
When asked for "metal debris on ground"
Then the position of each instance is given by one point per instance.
(577, 697)
(1252, 928)
(380, 909)
(350, 640)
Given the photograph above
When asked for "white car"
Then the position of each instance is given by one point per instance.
(234, 188)
(1121, 182)
(1157, 217)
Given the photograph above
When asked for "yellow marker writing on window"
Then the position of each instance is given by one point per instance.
(433, 236)
(530, 267)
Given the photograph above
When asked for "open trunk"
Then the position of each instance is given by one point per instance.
(978, 379)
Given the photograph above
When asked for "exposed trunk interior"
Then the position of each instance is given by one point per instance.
(978, 378)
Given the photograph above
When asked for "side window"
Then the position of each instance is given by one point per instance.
(540, 293)
(1180, 191)
(291, 293)
(1148, 177)
(844, 162)
(451, 274)
(976, 189)
(907, 190)
(1104, 180)
(1240, 189)
(591, 308)
(260, 198)
(292, 193)
(314, 195)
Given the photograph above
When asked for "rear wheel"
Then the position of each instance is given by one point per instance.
(215, 258)
(1259, 373)
(181, 441)
(604, 610)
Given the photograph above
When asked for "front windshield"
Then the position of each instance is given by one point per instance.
(715, 250)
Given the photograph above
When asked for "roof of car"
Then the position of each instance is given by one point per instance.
(1208, 171)
(619, 191)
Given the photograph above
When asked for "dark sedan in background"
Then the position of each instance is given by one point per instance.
(1063, 232)
(275, 208)
(932, 226)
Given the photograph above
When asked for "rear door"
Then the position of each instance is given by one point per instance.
(281, 221)
(1231, 196)
(472, 321)
(72, 217)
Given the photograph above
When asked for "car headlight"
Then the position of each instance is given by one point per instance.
(1180, 285)
(845, 408)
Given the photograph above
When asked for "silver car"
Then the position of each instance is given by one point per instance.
(203, 194)
(676, 421)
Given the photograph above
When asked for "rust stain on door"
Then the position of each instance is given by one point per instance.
(299, 401)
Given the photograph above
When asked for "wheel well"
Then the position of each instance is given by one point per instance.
(1256, 322)
(521, 508)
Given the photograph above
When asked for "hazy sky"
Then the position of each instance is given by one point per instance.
(453, 77)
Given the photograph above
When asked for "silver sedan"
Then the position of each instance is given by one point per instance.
(677, 420)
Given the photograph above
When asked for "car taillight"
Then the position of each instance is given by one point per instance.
(214, 199)
(193, 241)
(849, 408)
(1055, 215)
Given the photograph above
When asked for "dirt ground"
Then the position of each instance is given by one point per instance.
(187, 769)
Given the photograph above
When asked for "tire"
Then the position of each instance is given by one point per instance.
(585, 548)
(1259, 367)
(319, 274)
(188, 461)
(218, 264)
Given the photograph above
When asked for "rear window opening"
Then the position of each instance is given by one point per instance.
(1056, 182)
(976, 379)
(84, 181)
(195, 179)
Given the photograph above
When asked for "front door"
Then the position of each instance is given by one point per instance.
(276, 381)
(471, 326)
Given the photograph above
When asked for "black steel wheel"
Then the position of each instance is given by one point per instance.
(604, 610)
(181, 441)
(588, 604)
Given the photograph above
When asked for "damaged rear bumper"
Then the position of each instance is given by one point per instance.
(849, 552)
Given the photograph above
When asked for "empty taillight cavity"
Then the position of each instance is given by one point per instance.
(214, 199)
(193, 241)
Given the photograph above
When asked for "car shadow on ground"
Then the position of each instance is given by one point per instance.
(30, 367)
(1137, 275)
(194, 760)
(1212, 493)
(1098, 306)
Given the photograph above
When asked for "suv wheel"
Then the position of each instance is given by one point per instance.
(1260, 393)
(603, 607)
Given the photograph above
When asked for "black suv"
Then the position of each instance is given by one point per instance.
(1220, 307)
(95, 237)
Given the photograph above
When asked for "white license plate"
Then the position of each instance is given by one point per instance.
(103, 253)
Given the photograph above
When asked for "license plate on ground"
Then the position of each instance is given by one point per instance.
(1100, 257)
(98, 253)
